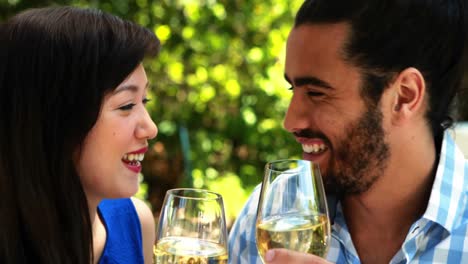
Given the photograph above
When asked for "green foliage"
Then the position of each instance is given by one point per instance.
(219, 76)
(218, 91)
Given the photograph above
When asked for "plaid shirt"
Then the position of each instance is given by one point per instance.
(437, 237)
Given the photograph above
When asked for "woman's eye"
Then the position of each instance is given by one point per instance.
(127, 107)
(146, 100)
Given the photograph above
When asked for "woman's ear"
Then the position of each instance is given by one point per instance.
(409, 93)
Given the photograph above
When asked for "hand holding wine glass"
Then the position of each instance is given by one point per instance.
(192, 228)
(292, 211)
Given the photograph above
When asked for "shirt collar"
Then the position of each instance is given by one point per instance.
(448, 195)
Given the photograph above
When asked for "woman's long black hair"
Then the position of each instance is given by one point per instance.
(56, 65)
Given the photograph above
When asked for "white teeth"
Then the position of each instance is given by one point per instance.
(134, 157)
(314, 148)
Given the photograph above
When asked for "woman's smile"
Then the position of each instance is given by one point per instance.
(132, 160)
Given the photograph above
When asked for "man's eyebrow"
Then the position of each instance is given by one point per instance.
(308, 80)
(129, 87)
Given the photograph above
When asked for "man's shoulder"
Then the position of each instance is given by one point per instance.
(242, 244)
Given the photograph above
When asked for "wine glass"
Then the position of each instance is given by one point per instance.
(191, 229)
(292, 210)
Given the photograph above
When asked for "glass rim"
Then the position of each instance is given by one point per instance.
(269, 165)
(181, 193)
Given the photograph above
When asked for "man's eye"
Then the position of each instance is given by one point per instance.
(291, 88)
(127, 107)
(312, 93)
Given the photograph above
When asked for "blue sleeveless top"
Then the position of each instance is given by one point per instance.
(123, 242)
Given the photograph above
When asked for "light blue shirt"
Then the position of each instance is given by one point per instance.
(439, 236)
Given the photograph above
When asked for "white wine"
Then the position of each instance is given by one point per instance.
(183, 250)
(303, 233)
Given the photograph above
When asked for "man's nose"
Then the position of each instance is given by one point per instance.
(298, 113)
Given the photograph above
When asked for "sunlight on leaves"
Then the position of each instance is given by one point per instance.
(219, 73)
(163, 32)
(234, 195)
(188, 32)
(255, 54)
(142, 3)
(249, 116)
(211, 173)
(192, 11)
(267, 124)
(167, 127)
(206, 144)
(202, 74)
(219, 11)
(176, 71)
(198, 178)
(233, 88)
(207, 93)
(157, 11)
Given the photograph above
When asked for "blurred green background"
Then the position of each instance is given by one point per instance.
(218, 93)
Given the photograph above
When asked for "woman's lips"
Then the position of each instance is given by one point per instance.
(132, 160)
(140, 151)
(134, 166)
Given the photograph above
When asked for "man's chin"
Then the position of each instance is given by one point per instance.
(332, 187)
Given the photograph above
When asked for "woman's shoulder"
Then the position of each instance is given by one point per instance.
(144, 212)
(112, 204)
(147, 227)
(132, 207)
(130, 225)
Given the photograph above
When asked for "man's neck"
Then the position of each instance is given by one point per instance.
(380, 218)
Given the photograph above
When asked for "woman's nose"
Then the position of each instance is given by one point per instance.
(146, 127)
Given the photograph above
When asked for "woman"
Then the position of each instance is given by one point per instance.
(73, 131)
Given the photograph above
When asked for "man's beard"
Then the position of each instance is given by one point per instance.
(360, 158)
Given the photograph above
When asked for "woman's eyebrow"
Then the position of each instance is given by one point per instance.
(129, 87)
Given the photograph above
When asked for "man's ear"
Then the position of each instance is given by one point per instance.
(409, 92)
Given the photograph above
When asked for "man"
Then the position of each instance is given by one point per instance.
(372, 85)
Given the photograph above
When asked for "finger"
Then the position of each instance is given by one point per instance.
(281, 256)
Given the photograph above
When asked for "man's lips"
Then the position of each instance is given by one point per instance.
(312, 145)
